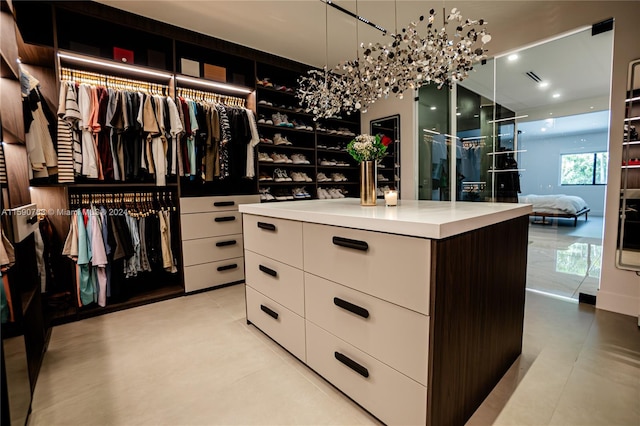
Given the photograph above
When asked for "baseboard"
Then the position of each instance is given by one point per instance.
(622, 304)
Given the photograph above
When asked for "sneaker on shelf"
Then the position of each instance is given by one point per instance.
(297, 177)
(264, 157)
(379, 192)
(266, 140)
(336, 177)
(266, 82)
(325, 162)
(278, 158)
(264, 176)
(266, 193)
(322, 146)
(299, 159)
(277, 119)
(333, 193)
(323, 194)
(381, 178)
(381, 166)
(321, 128)
(280, 195)
(287, 159)
(305, 193)
(298, 125)
(284, 121)
(305, 177)
(280, 175)
(396, 178)
(262, 119)
(298, 193)
(279, 140)
(321, 177)
(262, 102)
(320, 194)
(342, 163)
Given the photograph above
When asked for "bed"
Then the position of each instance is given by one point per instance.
(556, 206)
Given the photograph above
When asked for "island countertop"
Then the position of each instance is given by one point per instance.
(426, 219)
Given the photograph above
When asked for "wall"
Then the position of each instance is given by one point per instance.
(542, 166)
(619, 290)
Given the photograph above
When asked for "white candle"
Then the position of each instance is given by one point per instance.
(391, 198)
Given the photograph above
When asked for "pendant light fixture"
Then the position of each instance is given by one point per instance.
(410, 61)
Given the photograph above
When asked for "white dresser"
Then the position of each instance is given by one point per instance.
(357, 305)
(212, 244)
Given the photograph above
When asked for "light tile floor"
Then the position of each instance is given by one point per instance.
(194, 361)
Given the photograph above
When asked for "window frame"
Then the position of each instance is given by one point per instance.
(593, 168)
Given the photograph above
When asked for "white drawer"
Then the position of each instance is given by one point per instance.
(212, 204)
(392, 334)
(278, 322)
(278, 239)
(202, 225)
(387, 394)
(24, 221)
(280, 282)
(198, 277)
(392, 267)
(204, 250)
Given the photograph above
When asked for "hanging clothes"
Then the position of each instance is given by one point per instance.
(38, 124)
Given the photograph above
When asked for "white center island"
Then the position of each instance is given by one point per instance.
(415, 312)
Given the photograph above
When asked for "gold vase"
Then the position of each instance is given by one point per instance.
(368, 176)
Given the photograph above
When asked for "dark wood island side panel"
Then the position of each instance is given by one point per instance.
(477, 310)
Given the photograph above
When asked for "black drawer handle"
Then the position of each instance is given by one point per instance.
(269, 312)
(358, 310)
(268, 271)
(227, 267)
(267, 226)
(225, 219)
(354, 244)
(32, 220)
(361, 370)
(226, 243)
(224, 203)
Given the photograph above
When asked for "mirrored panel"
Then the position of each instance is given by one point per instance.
(389, 167)
(628, 254)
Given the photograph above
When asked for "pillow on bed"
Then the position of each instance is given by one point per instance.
(567, 203)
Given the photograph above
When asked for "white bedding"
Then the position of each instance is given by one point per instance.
(556, 203)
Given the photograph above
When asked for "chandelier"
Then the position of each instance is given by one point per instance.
(410, 61)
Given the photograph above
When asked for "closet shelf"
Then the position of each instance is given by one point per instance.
(93, 63)
(285, 110)
(271, 90)
(283, 128)
(265, 146)
(631, 143)
(288, 165)
(115, 186)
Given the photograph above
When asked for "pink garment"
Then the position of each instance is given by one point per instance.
(99, 256)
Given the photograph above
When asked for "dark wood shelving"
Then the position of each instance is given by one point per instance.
(265, 146)
(272, 90)
(285, 110)
(288, 129)
(268, 163)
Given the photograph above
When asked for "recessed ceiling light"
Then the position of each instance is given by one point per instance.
(543, 129)
(550, 113)
(543, 84)
(590, 107)
(433, 108)
(556, 95)
(512, 57)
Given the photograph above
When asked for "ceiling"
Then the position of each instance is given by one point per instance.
(308, 31)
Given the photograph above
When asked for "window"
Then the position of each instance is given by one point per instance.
(584, 169)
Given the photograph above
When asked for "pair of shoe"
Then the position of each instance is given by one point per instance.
(325, 162)
(381, 178)
(265, 82)
(264, 102)
(300, 193)
(264, 157)
(297, 124)
(281, 158)
(300, 177)
(266, 140)
(321, 177)
(326, 194)
(299, 159)
(282, 195)
(265, 195)
(338, 177)
(264, 177)
(280, 175)
(279, 140)
(381, 190)
(281, 120)
(264, 120)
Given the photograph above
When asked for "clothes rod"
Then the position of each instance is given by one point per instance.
(223, 86)
(110, 64)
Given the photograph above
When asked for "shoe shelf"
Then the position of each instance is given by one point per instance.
(271, 90)
(339, 167)
(322, 135)
(287, 183)
(287, 165)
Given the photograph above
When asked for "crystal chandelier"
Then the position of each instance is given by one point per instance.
(410, 61)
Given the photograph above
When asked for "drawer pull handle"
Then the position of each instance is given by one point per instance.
(225, 219)
(224, 203)
(268, 271)
(353, 244)
(227, 267)
(358, 310)
(226, 243)
(267, 226)
(32, 220)
(361, 370)
(269, 312)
